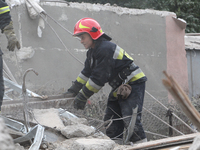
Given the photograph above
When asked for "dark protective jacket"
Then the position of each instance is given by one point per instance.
(103, 64)
(5, 17)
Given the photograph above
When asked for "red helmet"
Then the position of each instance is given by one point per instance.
(90, 26)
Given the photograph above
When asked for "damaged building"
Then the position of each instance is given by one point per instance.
(50, 58)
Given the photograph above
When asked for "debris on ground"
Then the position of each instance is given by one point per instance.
(63, 130)
(48, 117)
(6, 141)
(79, 130)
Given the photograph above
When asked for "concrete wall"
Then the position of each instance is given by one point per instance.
(176, 54)
(192, 47)
(152, 38)
(193, 56)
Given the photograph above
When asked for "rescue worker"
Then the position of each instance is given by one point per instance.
(6, 26)
(106, 62)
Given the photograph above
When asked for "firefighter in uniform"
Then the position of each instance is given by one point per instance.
(6, 27)
(106, 62)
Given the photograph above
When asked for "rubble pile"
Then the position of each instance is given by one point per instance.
(74, 133)
(5, 139)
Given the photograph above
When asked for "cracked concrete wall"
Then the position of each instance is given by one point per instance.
(151, 37)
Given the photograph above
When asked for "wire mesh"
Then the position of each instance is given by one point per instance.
(154, 125)
(155, 128)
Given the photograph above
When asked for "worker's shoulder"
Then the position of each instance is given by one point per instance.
(107, 45)
(105, 49)
(3, 3)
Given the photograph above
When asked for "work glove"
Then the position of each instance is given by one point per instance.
(11, 37)
(123, 91)
(80, 101)
(74, 89)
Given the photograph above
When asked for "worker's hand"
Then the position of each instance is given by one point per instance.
(75, 88)
(123, 91)
(11, 37)
(80, 101)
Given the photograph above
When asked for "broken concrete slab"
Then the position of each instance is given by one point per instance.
(74, 121)
(79, 130)
(86, 144)
(93, 144)
(48, 117)
(19, 147)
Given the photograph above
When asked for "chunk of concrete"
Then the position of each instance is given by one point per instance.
(74, 121)
(19, 147)
(6, 141)
(79, 130)
(93, 144)
(48, 117)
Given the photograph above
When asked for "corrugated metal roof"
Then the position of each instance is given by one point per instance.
(192, 41)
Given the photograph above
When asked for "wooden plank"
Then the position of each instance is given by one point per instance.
(165, 142)
(180, 147)
(187, 107)
(37, 99)
(182, 99)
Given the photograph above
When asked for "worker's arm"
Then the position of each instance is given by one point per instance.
(99, 76)
(6, 26)
(5, 17)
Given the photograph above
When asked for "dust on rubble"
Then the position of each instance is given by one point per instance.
(48, 117)
(52, 118)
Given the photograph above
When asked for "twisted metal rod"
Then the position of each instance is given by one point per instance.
(25, 103)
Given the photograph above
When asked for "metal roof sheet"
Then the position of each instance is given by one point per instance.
(192, 41)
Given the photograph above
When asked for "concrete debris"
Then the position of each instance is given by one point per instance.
(87, 144)
(79, 130)
(83, 141)
(13, 3)
(19, 147)
(48, 117)
(93, 144)
(6, 142)
(25, 53)
(74, 121)
(117, 9)
(93, 7)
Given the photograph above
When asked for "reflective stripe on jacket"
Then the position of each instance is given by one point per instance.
(103, 64)
(4, 9)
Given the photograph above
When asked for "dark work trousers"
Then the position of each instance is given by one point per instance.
(123, 108)
(1, 79)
